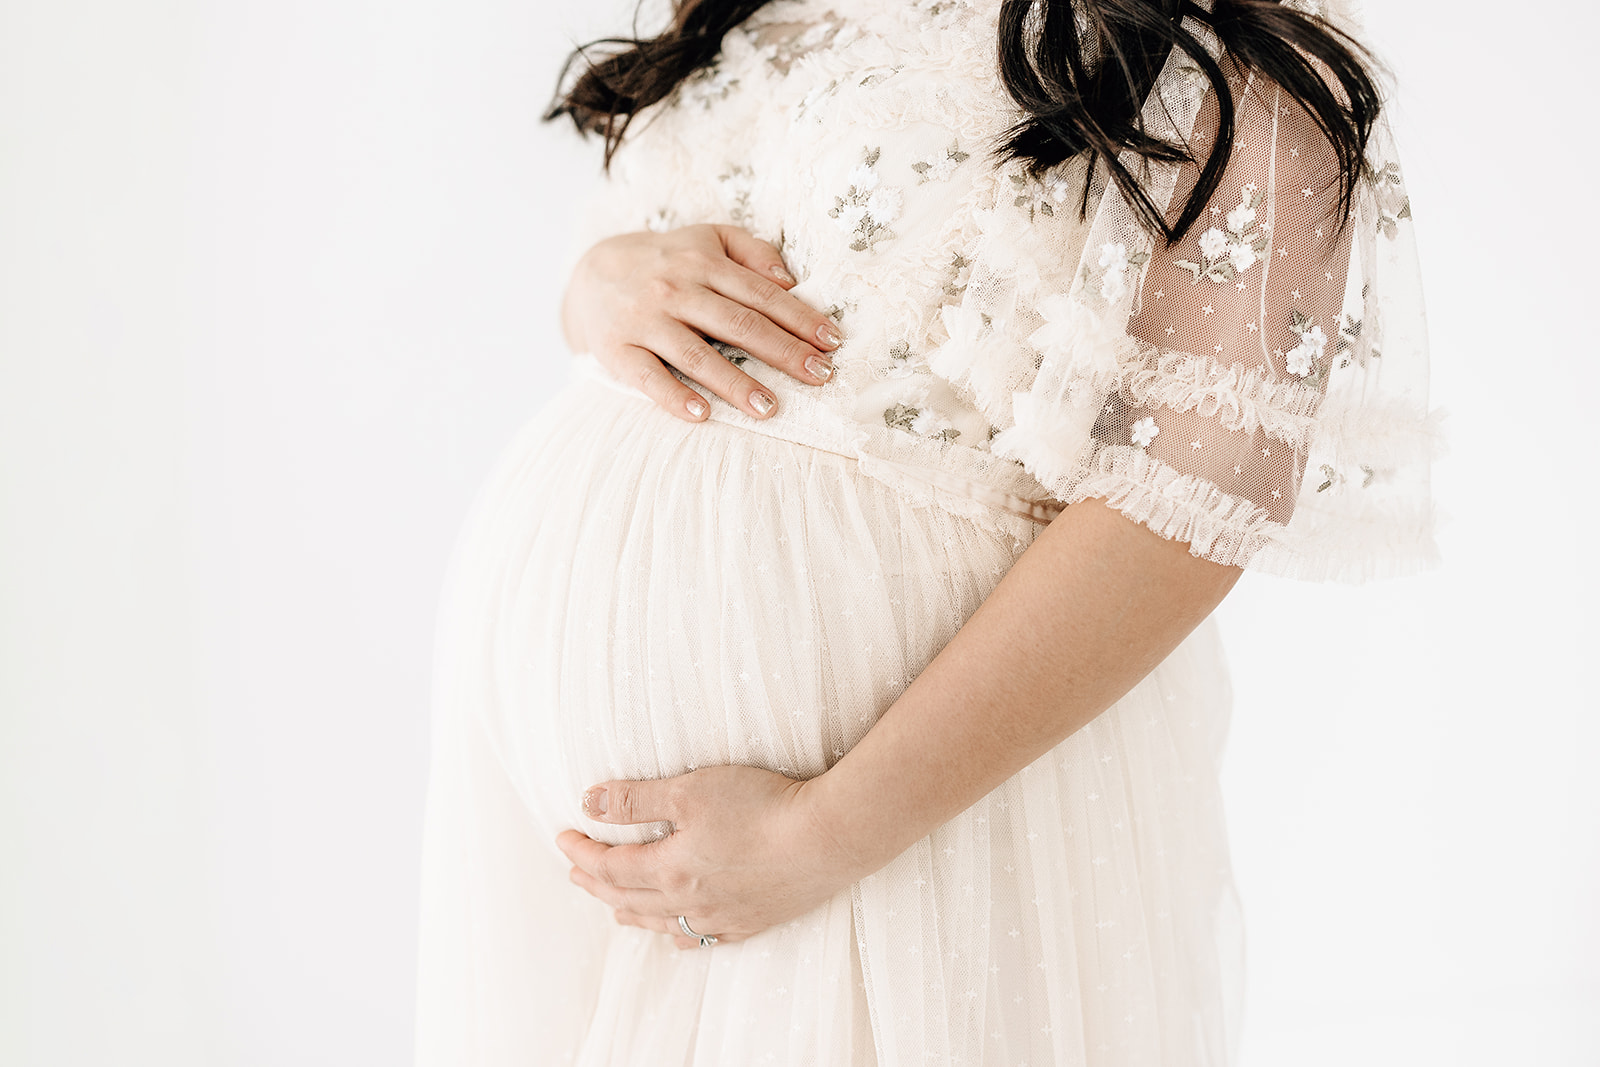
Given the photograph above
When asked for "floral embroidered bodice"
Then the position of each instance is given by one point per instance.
(1257, 390)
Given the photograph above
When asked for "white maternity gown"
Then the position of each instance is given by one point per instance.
(635, 596)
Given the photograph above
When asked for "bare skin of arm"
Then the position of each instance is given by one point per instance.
(1090, 608)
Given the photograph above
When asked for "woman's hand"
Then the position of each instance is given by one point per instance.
(745, 853)
(640, 301)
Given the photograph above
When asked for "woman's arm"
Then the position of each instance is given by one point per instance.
(1091, 608)
(1087, 612)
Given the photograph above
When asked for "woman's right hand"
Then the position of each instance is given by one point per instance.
(639, 302)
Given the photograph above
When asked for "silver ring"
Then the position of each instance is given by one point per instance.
(706, 940)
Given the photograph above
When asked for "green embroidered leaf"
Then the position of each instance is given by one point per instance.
(921, 168)
(900, 417)
(1405, 209)
(1045, 207)
(900, 350)
(872, 156)
(1193, 268)
(959, 157)
(1138, 259)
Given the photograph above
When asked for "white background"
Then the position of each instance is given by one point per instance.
(278, 279)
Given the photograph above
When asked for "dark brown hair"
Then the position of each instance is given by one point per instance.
(1073, 103)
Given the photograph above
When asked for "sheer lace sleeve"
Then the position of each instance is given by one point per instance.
(1237, 326)
(1257, 390)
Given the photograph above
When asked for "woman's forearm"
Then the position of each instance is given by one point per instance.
(1087, 612)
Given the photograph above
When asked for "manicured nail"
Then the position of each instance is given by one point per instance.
(594, 801)
(697, 408)
(762, 402)
(818, 367)
(829, 336)
(783, 276)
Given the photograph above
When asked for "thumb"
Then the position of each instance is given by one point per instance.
(754, 254)
(629, 802)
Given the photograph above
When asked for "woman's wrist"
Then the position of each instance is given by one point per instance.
(856, 837)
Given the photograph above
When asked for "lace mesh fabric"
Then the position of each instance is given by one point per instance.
(1257, 390)
(1250, 389)
(636, 596)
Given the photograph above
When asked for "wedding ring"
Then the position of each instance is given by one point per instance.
(706, 940)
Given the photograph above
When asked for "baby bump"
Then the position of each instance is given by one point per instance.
(653, 596)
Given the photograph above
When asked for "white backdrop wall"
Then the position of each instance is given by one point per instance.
(277, 280)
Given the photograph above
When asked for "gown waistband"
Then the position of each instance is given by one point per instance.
(797, 432)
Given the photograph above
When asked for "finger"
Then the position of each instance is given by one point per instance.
(640, 368)
(686, 350)
(752, 253)
(806, 323)
(654, 923)
(735, 323)
(625, 866)
(642, 902)
(632, 801)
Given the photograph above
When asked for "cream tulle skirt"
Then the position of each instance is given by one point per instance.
(634, 597)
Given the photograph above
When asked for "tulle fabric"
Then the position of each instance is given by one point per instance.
(634, 597)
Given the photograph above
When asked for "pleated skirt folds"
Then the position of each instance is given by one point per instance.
(635, 596)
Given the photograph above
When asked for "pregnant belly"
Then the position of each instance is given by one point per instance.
(637, 596)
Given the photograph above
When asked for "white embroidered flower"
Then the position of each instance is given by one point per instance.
(1299, 359)
(883, 206)
(850, 216)
(1240, 218)
(1249, 190)
(930, 423)
(1144, 431)
(1114, 283)
(863, 178)
(1059, 189)
(1302, 356)
(1114, 256)
(939, 167)
(1213, 243)
(1316, 339)
(1242, 256)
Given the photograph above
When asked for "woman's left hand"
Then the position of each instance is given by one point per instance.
(745, 853)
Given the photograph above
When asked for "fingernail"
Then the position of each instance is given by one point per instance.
(783, 276)
(762, 402)
(594, 801)
(697, 408)
(818, 367)
(829, 336)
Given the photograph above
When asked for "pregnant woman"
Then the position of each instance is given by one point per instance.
(824, 675)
